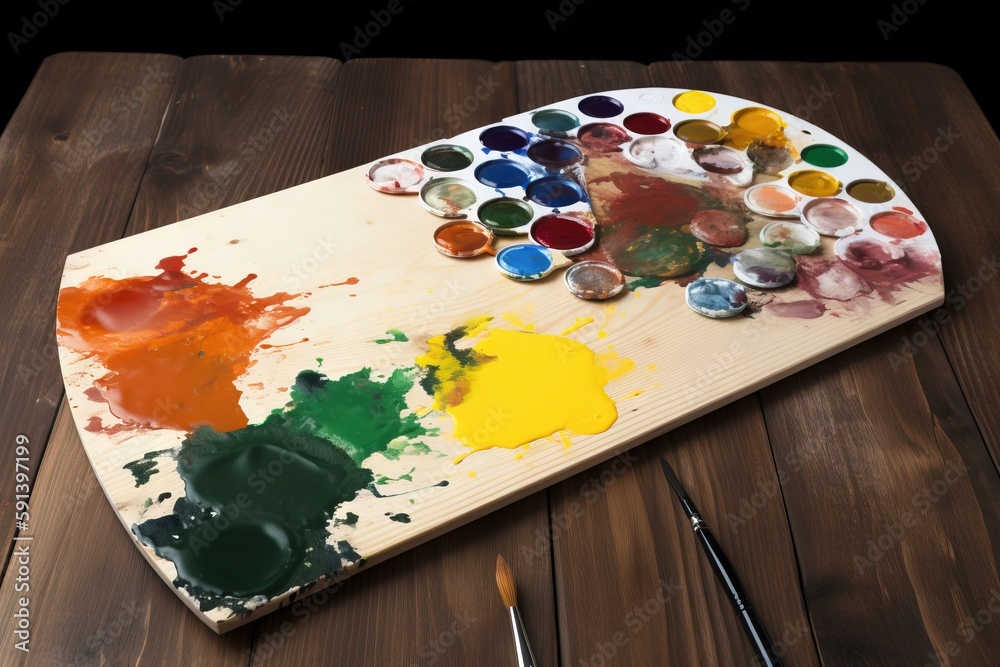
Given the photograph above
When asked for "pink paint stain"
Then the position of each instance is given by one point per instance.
(807, 309)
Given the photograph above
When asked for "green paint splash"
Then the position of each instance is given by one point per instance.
(400, 518)
(394, 336)
(144, 468)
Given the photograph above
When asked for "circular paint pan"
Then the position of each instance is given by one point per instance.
(447, 157)
(724, 161)
(757, 120)
(832, 217)
(814, 183)
(525, 261)
(505, 216)
(594, 280)
(694, 101)
(764, 267)
(659, 153)
(771, 160)
(867, 253)
(555, 153)
(555, 120)
(824, 155)
(504, 138)
(897, 224)
(603, 137)
(871, 191)
(555, 192)
(793, 237)
(447, 197)
(719, 228)
(601, 106)
(463, 238)
(716, 297)
(569, 234)
(771, 200)
(502, 174)
(395, 176)
(699, 131)
(646, 122)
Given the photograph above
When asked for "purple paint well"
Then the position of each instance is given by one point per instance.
(601, 106)
(603, 137)
(504, 138)
(555, 153)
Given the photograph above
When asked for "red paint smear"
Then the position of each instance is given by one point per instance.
(900, 224)
(350, 281)
(94, 394)
(829, 279)
(807, 309)
(173, 344)
(562, 232)
(649, 200)
(269, 346)
(888, 277)
(902, 209)
(94, 425)
(602, 137)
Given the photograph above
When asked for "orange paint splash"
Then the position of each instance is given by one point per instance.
(173, 344)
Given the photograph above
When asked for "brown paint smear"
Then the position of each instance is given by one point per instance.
(173, 344)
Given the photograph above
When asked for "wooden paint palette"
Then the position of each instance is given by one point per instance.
(277, 394)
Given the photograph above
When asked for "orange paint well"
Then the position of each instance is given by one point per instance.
(173, 344)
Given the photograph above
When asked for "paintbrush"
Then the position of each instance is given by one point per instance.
(508, 591)
(749, 620)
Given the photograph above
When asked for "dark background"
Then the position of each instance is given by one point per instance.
(948, 33)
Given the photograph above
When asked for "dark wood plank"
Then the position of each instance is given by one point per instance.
(893, 502)
(201, 162)
(438, 603)
(659, 603)
(70, 163)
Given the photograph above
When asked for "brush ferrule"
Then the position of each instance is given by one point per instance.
(525, 658)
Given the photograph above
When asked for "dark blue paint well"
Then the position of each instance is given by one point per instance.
(555, 192)
(502, 174)
(601, 106)
(555, 153)
(504, 138)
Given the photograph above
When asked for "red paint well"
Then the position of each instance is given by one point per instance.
(562, 232)
(646, 123)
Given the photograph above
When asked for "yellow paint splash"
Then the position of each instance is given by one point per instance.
(513, 387)
(518, 322)
(578, 323)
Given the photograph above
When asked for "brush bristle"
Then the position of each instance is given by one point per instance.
(505, 582)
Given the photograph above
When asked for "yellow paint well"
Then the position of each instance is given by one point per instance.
(694, 101)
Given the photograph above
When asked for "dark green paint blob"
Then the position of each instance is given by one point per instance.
(319, 362)
(144, 468)
(147, 503)
(406, 477)
(350, 520)
(394, 336)
(400, 518)
(466, 358)
(633, 285)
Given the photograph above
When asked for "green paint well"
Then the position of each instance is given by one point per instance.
(144, 468)
(824, 155)
(505, 214)
(258, 500)
(393, 336)
(555, 120)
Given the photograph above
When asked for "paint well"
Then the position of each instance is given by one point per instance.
(569, 234)
(694, 101)
(505, 215)
(771, 156)
(898, 224)
(813, 183)
(757, 120)
(543, 384)
(793, 237)
(646, 122)
(867, 253)
(764, 267)
(504, 138)
(525, 261)
(463, 238)
(555, 192)
(871, 191)
(395, 176)
(601, 106)
(719, 227)
(502, 174)
(715, 297)
(171, 335)
(555, 153)
(772, 200)
(447, 157)
(659, 153)
(826, 156)
(447, 197)
(699, 131)
(720, 160)
(832, 216)
(594, 280)
(603, 137)
(555, 120)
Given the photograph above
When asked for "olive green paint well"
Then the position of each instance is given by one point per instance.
(505, 214)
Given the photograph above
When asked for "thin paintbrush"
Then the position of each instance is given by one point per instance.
(752, 625)
(508, 591)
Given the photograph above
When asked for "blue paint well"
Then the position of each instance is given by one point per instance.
(555, 192)
(525, 261)
(716, 297)
(502, 174)
(504, 138)
(601, 106)
(555, 153)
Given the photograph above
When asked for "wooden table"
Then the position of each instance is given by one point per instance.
(859, 499)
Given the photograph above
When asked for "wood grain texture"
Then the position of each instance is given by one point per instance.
(71, 159)
(438, 603)
(205, 157)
